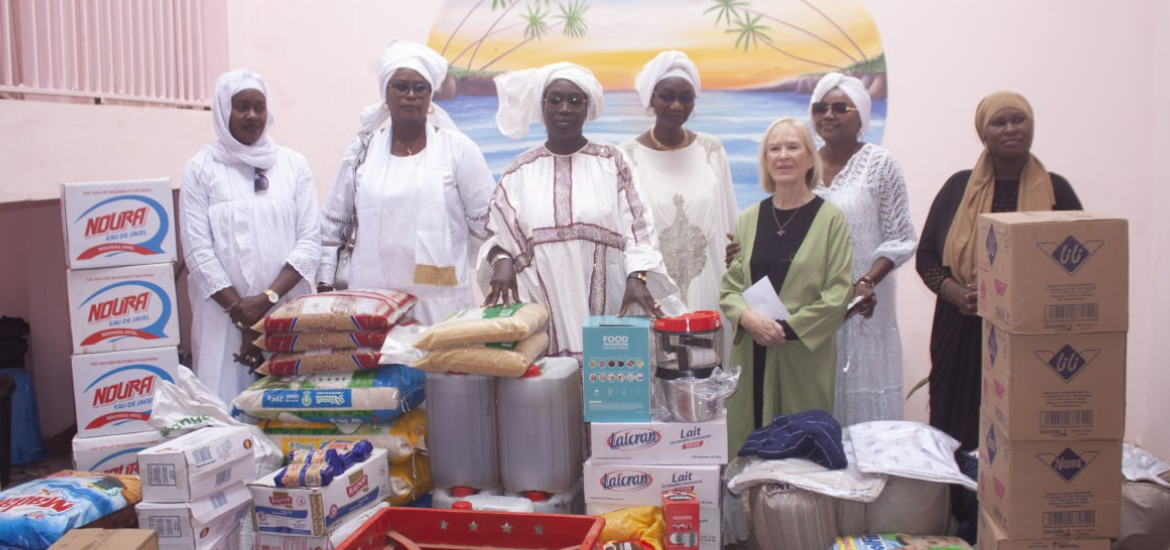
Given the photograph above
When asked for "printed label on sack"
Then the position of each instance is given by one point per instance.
(127, 224)
(1071, 254)
(1068, 464)
(128, 391)
(1067, 362)
(502, 311)
(127, 309)
(35, 506)
(308, 399)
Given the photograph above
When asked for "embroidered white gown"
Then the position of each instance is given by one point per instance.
(871, 191)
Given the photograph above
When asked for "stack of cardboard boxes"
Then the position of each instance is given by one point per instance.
(1054, 301)
(634, 460)
(120, 251)
(193, 488)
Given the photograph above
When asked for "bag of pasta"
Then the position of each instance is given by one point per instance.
(289, 342)
(343, 310)
(503, 359)
(484, 325)
(321, 360)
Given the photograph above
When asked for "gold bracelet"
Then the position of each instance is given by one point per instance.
(639, 275)
(867, 281)
(500, 256)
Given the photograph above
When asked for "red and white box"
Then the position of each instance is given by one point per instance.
(659, 442)
(630, 485)
(118, 223)
(680, 512)
(112, 454)
(123, 308)
(114, 392)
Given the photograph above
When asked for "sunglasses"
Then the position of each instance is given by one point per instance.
(668, 98)
(574, 101)
(402, 88)
(838, 107)
(259, 181)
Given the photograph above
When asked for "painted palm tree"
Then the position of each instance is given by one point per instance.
(839, 29)
(571, 21)
(726, 9)
(742, 13)
(466, 16)
(489, 32)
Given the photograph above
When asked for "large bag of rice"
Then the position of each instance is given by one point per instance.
(343, 310)
(401, 439)
(377, 396)
(289, 342)
(510, 323)
(508, 359)
(34, 515)
(321, 360)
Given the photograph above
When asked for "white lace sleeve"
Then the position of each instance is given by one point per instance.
(475, 182)
(206, 272)
(306, 254)
(337, 213)
(899, 239)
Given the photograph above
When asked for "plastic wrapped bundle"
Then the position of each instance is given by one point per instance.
(305, 474)
(321, 360)
(401, 439)
(510, 323)
(500, 359)
(378, 396)
(289, 342)
(345, 310)
(328, 457)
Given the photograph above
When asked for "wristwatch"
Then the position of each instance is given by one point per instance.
(272, 295)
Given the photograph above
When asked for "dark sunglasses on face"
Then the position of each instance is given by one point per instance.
(259, 181)
(401, 88)
(838, 107)
(668, 98)
(574, 101)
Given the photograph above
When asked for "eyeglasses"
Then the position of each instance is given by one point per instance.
(685, 98)
(402, 88)
(838, 107)
(576, 102)
(259, 181)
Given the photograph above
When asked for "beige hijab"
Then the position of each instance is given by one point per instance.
(1035, 190)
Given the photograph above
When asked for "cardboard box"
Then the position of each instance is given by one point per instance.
(710, 530)
(205, 524)
(113, 393)
(1050, 489)
(271, 541)
(1054, 386)
(629, 485)
(107, 539)
(112, 454)
(680, 516)
(313, 511)
(1042, 272)
(992, 537)
(118, 223)
(659, 442)
(197, 464)
(123, 308)
(617, 373)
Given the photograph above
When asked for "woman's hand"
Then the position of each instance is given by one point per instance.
(502, 287)
(868, 299)
(963, 297)
(765, 331)
(637, 293)
(249, 310)
(732, 250)
(250, 355)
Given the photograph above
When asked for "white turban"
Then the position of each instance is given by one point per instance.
(521, 93)
(663, 66)
(227, 149)
(401, 54)
(852, 87)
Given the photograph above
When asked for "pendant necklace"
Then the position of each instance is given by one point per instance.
(780, 232)
(410, 149)
(660, 145)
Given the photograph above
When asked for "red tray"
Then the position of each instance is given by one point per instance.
(469, 530)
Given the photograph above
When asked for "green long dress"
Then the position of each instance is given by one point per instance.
(799, 374)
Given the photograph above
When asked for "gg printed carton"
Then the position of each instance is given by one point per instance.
(114, 392)
(112, 454)
(617, 373)
(195, 465)
(992, 537)
(314, 511)
(123, 308)
(1043, 272)
(660, 442)
(1049, 489)
(118, 223)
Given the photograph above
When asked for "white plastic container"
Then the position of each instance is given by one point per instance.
(461, 427)
(446, 498)
(540, 428)
(495, 503)
(568, 502)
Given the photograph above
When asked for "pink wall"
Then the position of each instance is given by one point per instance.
(1076, 60)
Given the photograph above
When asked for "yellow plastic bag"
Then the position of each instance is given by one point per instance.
(643, 523)
(410, 481)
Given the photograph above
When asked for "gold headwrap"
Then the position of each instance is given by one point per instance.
(1035, 190)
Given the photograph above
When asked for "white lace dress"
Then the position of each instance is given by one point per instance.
(871, 191)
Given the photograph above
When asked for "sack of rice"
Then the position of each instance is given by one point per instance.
(401, 439)
(289, 342)
(510, 323)
(508, 359)
(377, 396)
(343, 310)
(321, 360)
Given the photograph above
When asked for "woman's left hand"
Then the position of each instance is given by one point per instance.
(250, 310)
(250, 355)
(637, 293)
(869, 299)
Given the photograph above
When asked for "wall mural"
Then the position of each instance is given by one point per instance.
(759, 60)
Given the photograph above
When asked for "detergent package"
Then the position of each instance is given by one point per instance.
(34, 515)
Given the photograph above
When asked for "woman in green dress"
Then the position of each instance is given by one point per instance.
(801, 244)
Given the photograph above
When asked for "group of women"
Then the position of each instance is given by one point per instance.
(590, 228)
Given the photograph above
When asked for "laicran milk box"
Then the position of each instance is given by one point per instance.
(123, 308)
(118, 223)
(114, 392)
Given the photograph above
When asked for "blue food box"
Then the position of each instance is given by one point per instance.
(616, 369)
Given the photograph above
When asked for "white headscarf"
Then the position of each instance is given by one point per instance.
(521, 93)
(663, 66)
(401, 54)
(227, 149)
(852, 87)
